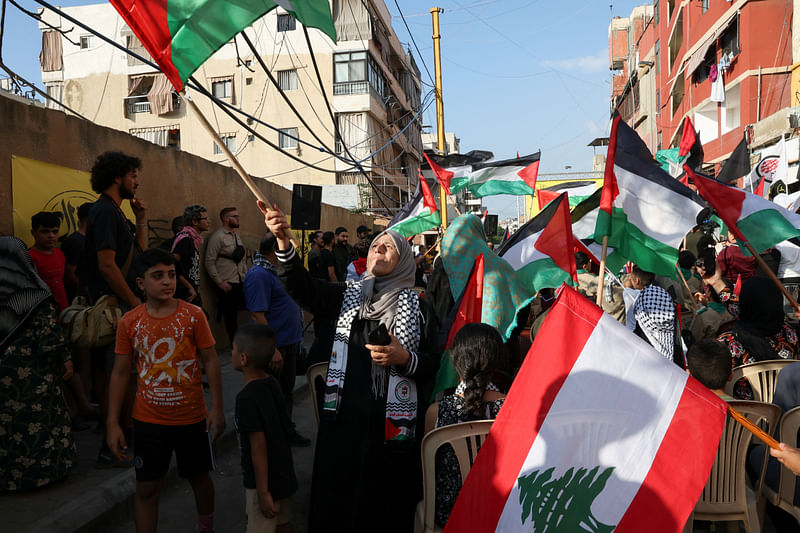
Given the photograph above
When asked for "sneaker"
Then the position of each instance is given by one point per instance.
(106, 459)
(296, 439)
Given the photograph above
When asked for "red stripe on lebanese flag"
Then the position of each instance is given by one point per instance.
(657, 502)
(494, 474)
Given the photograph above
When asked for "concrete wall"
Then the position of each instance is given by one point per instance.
(169, 181)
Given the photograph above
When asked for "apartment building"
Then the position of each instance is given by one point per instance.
(372, 83)
(726, 64)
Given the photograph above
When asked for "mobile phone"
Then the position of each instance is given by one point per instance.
(379, 336)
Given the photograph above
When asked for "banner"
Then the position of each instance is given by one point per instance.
(39, 186)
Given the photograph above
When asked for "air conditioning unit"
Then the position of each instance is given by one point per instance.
(794, 120)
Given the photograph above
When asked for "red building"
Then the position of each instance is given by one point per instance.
(666, 64)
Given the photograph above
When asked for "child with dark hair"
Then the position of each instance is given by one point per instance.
(264, 430)
(49, 261)
(712, 317)
(710, 364)
(357, 268)
(478, 352)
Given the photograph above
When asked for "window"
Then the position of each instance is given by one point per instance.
(352, 71)
(676, 41)
(286, 22)
(729, 41)
(133, 44)
(287, 138)
(658, 101)
(670, 8)
(704, 5)
(54, 91)
(86, 42)
(230, 141)
(677, 93)
(248, 81)
(730, 109)
(658, 57)
(287, 80)
(222, 88)
(655, 12)
(706, 123)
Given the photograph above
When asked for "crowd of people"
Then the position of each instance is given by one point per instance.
(375, 326)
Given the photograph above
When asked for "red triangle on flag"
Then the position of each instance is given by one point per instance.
(545, 197)
(530, 173)
(737, 288)
(427, 196)
(688, 138)
(442, 176)
(610, 188)
(471, 305)
(556, 239)
(485, 212)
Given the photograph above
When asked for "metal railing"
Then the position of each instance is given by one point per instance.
(351, 87)
(140, 104)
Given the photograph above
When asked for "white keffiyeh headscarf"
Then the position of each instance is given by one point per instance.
(655, 315)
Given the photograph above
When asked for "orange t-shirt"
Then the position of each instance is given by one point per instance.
(170, 389)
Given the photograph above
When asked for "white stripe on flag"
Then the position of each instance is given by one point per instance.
(753, 203)
(496, 173)
(624, 426)
(524, 253)
(658, 212)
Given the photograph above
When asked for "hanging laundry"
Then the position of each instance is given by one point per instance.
(712, 73)
(717, 86)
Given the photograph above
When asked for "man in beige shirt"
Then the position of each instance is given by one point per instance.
(226, 266)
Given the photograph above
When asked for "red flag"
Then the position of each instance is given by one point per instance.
(469, 309)
(610, 188)
(737, 288)
(545, 197)
(556, 239)
(442, 176)
(684, 180)
(688, 138)
(485, 212)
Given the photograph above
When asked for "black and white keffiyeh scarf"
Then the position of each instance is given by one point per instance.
(401, 391)
(655, 315)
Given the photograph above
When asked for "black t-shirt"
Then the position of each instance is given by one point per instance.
(108, 229)
(260, 407)
(318, 264)
(189, 265)
(73, 248)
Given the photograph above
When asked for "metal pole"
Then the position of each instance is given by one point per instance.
(440, 142)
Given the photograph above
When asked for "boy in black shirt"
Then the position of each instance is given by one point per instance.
(263, 427)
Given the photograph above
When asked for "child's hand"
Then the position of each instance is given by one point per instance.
(789, 456)
(216, 418)
(268, 507)
(115, 438)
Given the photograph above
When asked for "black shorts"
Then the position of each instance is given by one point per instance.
(153, 445)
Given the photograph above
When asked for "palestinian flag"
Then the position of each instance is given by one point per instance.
(443, 176)
(690, 149)
(579, 190)
(418, 215)
(541, 251)
(592, 435)
(643, 210)
(749, 216)
(584, 221)
(511, 176)
(544, 197)
(181, 34)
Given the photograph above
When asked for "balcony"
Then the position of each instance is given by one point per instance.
(351, 87)
(140, 104)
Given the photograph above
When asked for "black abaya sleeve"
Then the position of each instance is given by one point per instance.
(322, 298)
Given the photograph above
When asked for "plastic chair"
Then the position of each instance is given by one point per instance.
(457, 436)
(315, 372)
(784, 496)
(762, 376)
(727, 496)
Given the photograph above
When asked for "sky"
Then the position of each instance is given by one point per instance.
(517, 75)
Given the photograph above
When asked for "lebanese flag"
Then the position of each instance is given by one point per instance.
(644, 211)
(181, 34)
(442, 176)
(749, 216)
(511, 176)
(418, 215)
(599, 432)
(541, 251)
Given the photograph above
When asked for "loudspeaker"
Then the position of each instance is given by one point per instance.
(306, 205)
(490, 226)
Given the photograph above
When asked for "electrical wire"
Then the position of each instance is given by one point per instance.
(396, 3)
(40, 92)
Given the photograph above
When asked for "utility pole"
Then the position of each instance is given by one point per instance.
(440, 142)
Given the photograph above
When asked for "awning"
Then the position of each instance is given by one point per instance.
(160, 95)
(700, 54)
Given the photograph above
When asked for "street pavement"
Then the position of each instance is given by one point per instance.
(97, 500)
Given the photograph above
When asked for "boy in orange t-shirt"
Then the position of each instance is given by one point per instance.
(167, 338)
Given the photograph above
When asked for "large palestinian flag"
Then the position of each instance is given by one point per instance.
(418, 215)
(579, 190)
(643, 210)
(593, 435)
(515, 176)
(584, 222)
(749, 216)
(181, 34)
(541, 251)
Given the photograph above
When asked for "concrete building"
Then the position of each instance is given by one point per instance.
(665, 55)
(452, 144)
(372, 83)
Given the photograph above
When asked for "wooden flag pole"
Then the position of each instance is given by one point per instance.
(691, 296)
(248, 181)
(754, 429)
(602, 281)
(772, 276)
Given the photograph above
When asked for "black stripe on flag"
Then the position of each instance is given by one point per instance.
(632, 155)
(586, 206)
(458, 160)
(533, 226)
(522, 161)
(407, 209)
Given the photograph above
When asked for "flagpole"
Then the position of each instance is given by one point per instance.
(685, 284)
(248, 181)
(602, 280)
(440, 141)
(772, 276)
(754, 429)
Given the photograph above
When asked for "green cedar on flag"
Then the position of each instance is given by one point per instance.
(181, 34)
(418, 215)
(515, 176)
(541, 251)
(748, 216)
(644, 211)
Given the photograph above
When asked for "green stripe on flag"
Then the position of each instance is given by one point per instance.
(766, 228)
(416, 225)
(544, 274)
(495, 187)
(632, 243)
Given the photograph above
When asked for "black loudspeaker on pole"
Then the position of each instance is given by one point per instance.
(306, 206)
(489, 226)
